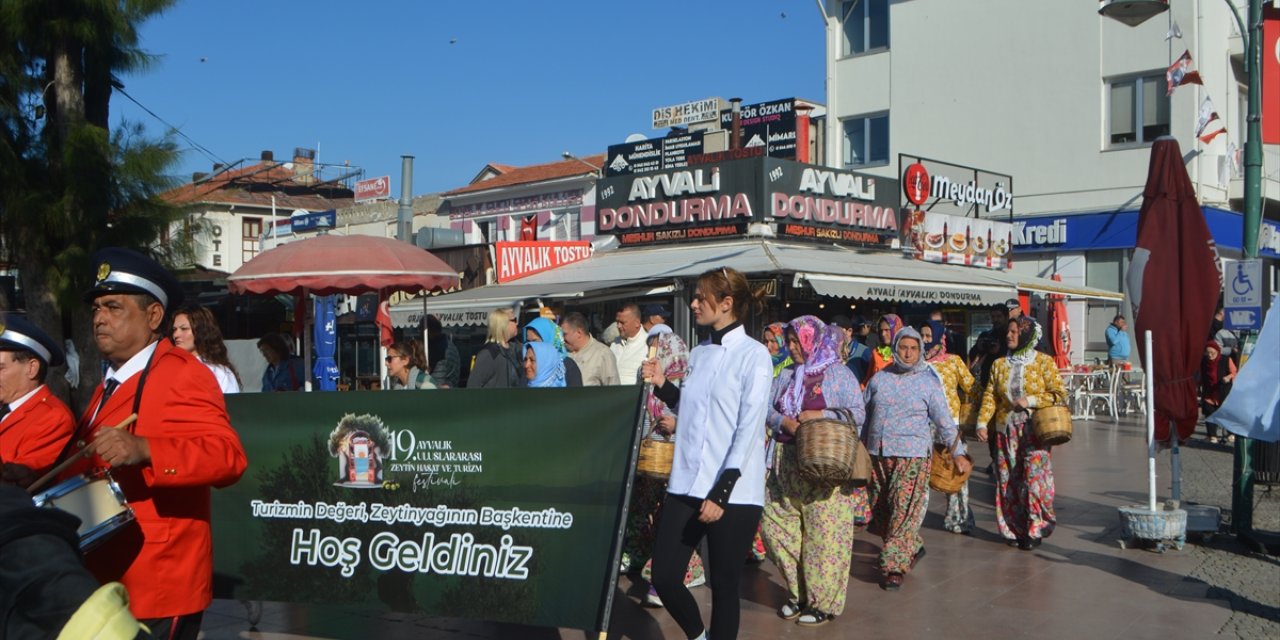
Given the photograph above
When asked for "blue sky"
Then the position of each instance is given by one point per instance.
(457, 84)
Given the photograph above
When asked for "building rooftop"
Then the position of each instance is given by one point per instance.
(506, 176)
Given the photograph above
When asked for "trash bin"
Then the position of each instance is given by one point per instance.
(1266, 462)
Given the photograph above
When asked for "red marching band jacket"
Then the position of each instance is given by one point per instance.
(34, 434)
(166, 559)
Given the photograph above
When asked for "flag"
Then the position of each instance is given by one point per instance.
(1181, 72)
(1174, 32)
(1208, 137)
(1173, 287)
(1207, 115)
(529, 228)
(386, 336)
(1233, 157)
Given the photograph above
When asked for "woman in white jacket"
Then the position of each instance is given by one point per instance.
(716, 488)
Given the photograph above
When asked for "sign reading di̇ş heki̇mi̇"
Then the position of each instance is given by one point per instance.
(515, 260)
(490, 504)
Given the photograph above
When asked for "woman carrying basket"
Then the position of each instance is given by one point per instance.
(1020, 382)
(808, 527)
(905, 410)
(716, 488)
(956, 380)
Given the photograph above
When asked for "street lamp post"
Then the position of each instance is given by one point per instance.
(1133, 12)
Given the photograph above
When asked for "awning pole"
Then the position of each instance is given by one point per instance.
(306, 341)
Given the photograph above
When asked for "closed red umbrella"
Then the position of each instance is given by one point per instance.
(1173, 286)
(1061, 328)
(329, 264)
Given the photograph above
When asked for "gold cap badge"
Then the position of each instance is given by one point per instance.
(104, 270)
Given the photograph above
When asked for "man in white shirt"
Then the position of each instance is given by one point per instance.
(629, 349)
(599, 367)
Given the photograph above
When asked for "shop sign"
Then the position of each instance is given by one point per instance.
(515, 260)
(522, 204)
(693, 203)
(973, 242)
(696, 111)
(373, 188)
(769, 125)
(828, 205)
(307, 221)
(1033, 233)
(954, 189)
(655, 154)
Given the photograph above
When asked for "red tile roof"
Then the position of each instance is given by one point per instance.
(533, 173)
(257, 184)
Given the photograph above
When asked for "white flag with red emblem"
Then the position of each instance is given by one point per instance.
(1208, 124)
(1181, 72)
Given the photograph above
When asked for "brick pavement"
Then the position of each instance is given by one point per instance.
(1080, 583)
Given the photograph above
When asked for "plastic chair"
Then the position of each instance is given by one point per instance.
(1103, 388)
(1132, 391)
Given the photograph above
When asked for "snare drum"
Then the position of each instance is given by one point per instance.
(96, 500)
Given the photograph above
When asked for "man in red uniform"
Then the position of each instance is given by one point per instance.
(34, 424)
(166, 461)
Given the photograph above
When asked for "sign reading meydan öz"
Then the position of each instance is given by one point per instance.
(720, 199)
(486, 504)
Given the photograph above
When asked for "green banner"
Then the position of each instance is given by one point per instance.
(486, 504)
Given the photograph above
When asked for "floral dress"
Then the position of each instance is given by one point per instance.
(956, 380)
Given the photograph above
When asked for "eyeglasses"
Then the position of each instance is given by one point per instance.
(391, 357)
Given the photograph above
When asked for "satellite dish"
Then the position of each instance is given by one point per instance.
(636, 137)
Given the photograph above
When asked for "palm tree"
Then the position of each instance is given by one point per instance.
(70, 184)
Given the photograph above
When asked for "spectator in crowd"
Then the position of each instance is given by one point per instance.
(443, 360)
(407, 366)
(629, 349)
(541, 329)
(285, 371)
(1021, 382)
(776, 342)
(595, 362)
(957, 382)
(497, 364)
(808, 527)
(1223, 336)
(196, 330)
(1217, 373)
(988, 348)
(654, 314)
(1117, 341)
(890, 324)
(857, 353)
(906, 413)
(543, 366)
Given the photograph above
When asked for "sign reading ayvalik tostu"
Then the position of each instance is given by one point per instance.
(494, 504)
(515, 260)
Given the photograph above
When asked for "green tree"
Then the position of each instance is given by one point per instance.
(70, 184)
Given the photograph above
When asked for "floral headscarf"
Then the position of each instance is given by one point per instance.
(936, 349)
(820, 346)
(773, 334)
(673, 358)
(1029, 333)
(550, 366)
(549, 333)
(895, 325)
(907, 333)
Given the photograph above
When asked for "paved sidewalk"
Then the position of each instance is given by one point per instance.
(1080, 583)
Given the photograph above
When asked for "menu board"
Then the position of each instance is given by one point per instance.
(972, 242)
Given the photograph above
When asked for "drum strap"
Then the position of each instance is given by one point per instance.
(107, 389)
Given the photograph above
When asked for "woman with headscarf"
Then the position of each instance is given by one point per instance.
(906, 413)
(807, 526)
(882, 356)
(957, 381)
(776, 342)
(543, 366)
(648, 492)
(543, 330)
(1022, 381)
(1217, 373)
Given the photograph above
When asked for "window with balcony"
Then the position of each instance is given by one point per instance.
(866, 140)
(1139, 110)
(250, 231)
(866, 25)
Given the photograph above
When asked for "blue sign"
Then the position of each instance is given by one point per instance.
(318, 220)
(1242, 294)
(1119, 230)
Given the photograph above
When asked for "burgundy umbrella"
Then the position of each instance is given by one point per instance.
(1173, 286)
(329, 264)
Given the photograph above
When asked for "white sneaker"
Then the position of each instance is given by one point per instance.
(697, 581)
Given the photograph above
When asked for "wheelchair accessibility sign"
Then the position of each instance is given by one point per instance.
(1242, 295)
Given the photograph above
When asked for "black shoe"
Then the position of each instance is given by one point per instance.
(1026, 544)
(892, 582)
(989, 469)
(1014, 543)
(916, 558)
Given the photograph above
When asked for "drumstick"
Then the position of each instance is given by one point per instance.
(653, 353)
(62, 466)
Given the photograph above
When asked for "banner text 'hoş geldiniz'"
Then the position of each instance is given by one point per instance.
(494, 504)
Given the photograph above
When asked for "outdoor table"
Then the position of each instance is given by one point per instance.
(1078, 383)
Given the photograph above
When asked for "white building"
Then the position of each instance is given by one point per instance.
(1065, 101)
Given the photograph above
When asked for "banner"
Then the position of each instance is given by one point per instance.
(494, 504)
(973, 242)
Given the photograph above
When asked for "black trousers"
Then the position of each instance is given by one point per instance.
(728, 541)
(176, 628)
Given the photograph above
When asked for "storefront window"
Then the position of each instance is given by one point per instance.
(866, 140)
(866, 25)
(1139, 110)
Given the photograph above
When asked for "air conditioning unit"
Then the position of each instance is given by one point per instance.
(438, 238)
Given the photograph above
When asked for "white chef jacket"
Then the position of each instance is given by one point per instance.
(724, 400)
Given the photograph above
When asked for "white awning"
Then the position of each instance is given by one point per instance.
(1048, 286)
(898, 290)
(472, 307)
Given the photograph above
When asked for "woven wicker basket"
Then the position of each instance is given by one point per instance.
(825, 448)
(1052, 425)
(655, 458)
(943, 474)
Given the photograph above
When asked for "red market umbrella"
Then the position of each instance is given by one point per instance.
(329, 264)
(1060, 327)
(1173, 286)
